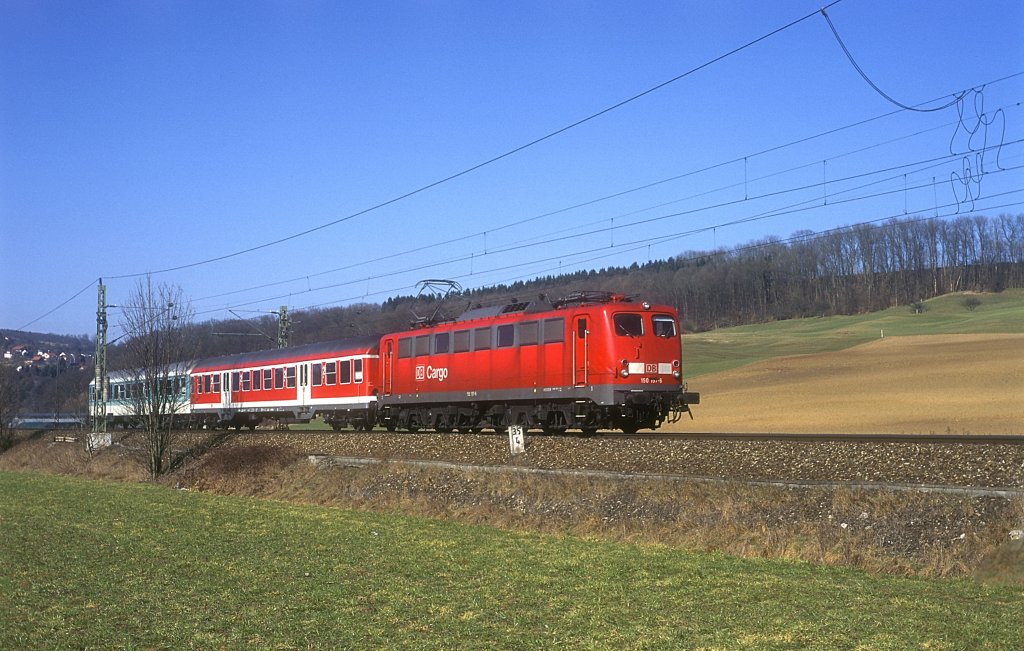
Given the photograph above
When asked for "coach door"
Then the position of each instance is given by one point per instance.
(580, 336)
(225, 389)
(304, 395)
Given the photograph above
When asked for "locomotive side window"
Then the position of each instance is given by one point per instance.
(442, 343)
(405, 347)
(529, 333)
(482, 339)
(554, 330)
(357, 370)
(330, 373)
(506, 335)
(664, 326)
(279, 377)
(461, 341)
(581, 329)
(268, 380)
(629, 325)
(289, 377)
(346, 372)
(318, 374)
(422, 345)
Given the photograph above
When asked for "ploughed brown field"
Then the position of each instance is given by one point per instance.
(934, 384)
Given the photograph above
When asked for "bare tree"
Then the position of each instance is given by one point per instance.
(9, 403)
(156, 321)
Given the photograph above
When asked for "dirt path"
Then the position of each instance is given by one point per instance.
(930, 384)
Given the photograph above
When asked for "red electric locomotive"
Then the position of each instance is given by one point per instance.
(335, 380)
(592, 361)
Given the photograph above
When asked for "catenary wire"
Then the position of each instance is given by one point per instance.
(494, 159)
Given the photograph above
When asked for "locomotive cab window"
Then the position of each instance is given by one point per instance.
(664, 326)
(629, 325)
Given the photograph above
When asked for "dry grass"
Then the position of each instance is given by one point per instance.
(892, 533)
(959, 384)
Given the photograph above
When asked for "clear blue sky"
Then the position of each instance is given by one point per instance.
(139, 136)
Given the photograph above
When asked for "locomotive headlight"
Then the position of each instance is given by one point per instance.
(625, 368)
(677, 375)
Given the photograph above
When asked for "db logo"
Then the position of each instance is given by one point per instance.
(651, 368)
(421, 372)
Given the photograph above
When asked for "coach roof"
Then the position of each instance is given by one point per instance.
(323, 349)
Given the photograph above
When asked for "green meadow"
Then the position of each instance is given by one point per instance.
(728, 348)
(89, 564)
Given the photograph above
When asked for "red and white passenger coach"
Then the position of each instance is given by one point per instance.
(335, 379)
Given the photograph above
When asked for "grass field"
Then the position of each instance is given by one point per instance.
(98, 565)
(721, 350)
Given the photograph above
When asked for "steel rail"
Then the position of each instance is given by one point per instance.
(983, 439)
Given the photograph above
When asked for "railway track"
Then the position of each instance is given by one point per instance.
(979, 439)
(1007, 492)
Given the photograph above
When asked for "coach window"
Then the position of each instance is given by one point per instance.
(216, 383)
(257, 381)
(318, 374)
(529, 333)
(482, 339)
(506, 335)
(268, 380)
(357, 370)
(206, 383)
(236, 381)
(346, 372)
(422, 345)
(405, 348)
(330, 373)
(629, 325)
(279, 377)
(461, 341)
(554, 330)
(664, 326)
(197, 383)
(289, 377)
(246, 384)
(442, 343)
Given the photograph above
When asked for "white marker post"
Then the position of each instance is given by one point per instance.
(516, 439)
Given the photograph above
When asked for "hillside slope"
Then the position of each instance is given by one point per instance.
(950, 383)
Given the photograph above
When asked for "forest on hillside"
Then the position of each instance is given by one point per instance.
(848, 270)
